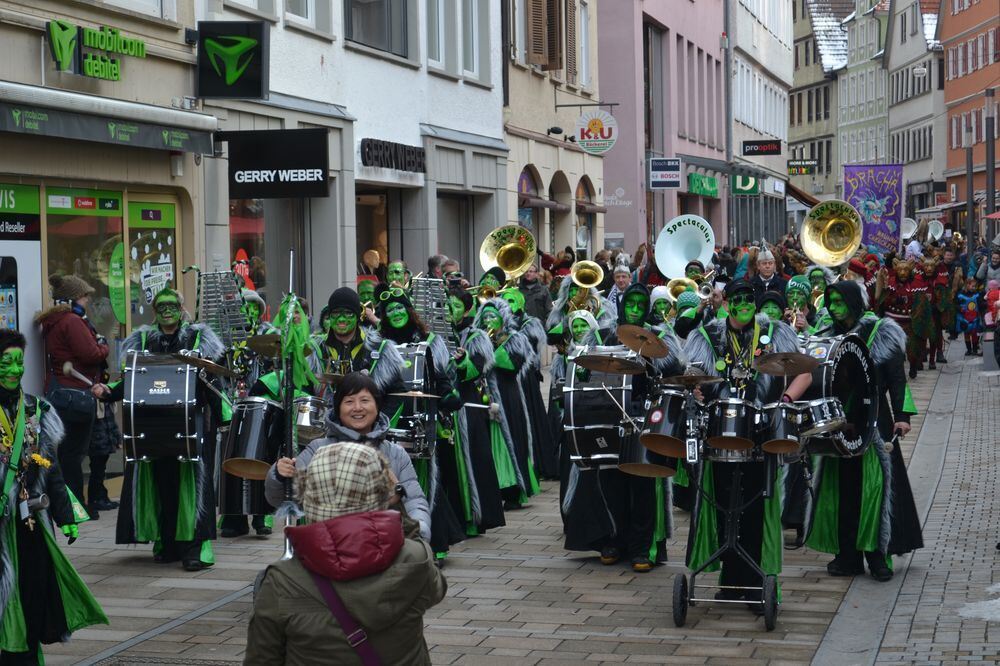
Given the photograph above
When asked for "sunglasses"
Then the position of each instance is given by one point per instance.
(390, 293)
(165, 308)
(741, 299)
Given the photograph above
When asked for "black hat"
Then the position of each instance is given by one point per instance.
(461, 294)
(736, 286)
(344, 298)
(774, 297)
(497, 273)
(695, 262)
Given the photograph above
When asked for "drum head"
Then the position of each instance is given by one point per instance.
(728, 443)
(247, 468)
(781, 446)
(647, 470)
(848, 373)
(664, 445)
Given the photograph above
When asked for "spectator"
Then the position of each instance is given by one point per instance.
(989, 270)
(352, 553)
(622, 277)
(435, 265)
(537, 299)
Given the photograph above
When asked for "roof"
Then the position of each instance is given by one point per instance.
(929, 13)
(831, 38)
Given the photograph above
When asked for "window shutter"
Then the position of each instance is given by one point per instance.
(571, 41)
(536, 44)
(553, 36)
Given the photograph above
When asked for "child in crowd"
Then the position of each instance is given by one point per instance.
(969, 319)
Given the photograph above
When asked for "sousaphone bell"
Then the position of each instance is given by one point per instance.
(831, 233)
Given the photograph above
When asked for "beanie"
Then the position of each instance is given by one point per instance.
(687, 299)
(69, 287)
(799, 283)
(659, 293)
(344, 298)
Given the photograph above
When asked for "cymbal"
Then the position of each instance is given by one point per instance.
(786, 364)
(332, 379)
(416, 394)
(642, 341)
(265, 345)
(690, 381)
(206, 365)
(609, 364)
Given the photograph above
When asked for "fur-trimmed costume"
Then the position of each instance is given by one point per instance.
(556, 325)
(165, 501)
(42, 599)
(545, 453)
(367, 352)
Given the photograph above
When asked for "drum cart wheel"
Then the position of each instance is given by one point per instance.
(769, 599)
(681, 600)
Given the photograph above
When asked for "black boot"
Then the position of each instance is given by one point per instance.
(846, 564)
(913, 371)
(941, 358)
(878, 567)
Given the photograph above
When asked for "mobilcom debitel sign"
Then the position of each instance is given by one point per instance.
(67, 44)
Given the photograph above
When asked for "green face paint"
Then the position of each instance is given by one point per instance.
(11, 368)
(772, 310)
(489, 281)
(397, 315)
(396, 272)
(456, 310)
(580, 327)
(662, 308)
(797, 300)
(817, 280)
(636, 306)
(366, 291)
(491, 319)
(168, 311)
(343, 322)
(251, 310)
(573, 291)
(838, 307)
(515, 298)
(742, 308)
(692, 273)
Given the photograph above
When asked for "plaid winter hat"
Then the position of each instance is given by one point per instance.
(342, 479)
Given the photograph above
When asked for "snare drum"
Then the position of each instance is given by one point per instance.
(411, 434)
(416, 428)
(781, 428)
(593, 414)
(665, 425)
(158, 419)
(255, 436)
(821, 416)
(731, 424)
(712, 454)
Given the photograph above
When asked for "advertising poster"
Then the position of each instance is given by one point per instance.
(876, 191)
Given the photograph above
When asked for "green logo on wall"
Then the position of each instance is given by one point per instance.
(234, 58)
(63, 42)
(166, 137)
(111, 129)
(16, 114)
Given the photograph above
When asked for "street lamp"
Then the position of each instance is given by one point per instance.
(989, 124)
(970, 193)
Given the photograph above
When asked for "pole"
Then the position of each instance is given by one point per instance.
(991, 157)
(970, 197)
(727, 73)
(288, 389)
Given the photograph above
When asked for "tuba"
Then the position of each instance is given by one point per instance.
(935, 229)
(683, 239)
(512, 248)
(586, 275)
(831, 233)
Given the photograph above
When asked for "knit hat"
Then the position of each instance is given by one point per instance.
(687, 299)
(344, 298)
(659, 293)
(697, 264)
(586, 316)
(344, 478)
(774, 297)
(737, 286)
(497, 273)
(69, 287)
(799, 283)
(251, 296)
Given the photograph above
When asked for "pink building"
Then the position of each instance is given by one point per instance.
(662, 61)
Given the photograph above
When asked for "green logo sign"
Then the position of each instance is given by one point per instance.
(166, 137)
(745, 185)
(16, 115)
(111, 129)
(230, 61)
(706, 186)
(63, 43)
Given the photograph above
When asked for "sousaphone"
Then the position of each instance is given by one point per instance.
(831, 233)
(683, 239)
(512, 248)
(908, 228)
(935, 229)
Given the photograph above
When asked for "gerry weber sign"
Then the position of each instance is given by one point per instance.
(278, 164)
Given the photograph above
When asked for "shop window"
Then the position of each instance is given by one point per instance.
(159, 8)
(152, 256)
(528, 216)
(84, 237)
(584, 222)
(380, 24)
(246, 241)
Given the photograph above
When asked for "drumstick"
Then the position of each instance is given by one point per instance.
(618, 405)
(69, 370)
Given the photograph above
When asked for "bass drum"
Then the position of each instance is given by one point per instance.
(592, 418)
(846, 372)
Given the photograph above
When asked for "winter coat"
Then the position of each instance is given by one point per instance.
(537, 299)
(385, 581)
(987, 272)
(415, 501)
(70, 337)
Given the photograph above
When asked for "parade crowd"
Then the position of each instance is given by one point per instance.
(429, 425)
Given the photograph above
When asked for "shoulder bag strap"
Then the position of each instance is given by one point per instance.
(356, 636)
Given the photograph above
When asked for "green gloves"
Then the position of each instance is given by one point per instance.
(71, 531)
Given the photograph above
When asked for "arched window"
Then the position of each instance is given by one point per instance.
(529, 214)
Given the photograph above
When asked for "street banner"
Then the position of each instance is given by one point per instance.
(876, 191)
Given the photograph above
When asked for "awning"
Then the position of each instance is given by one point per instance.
(531, 201)
(940, 208)
(800, 195)
(50, 112)
(738, 168)
(589, 207)
(993, 216)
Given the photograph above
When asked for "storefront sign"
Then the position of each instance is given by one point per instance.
(664, 173)
(152, 227)
(876, 191)
(389, 155)
(84, 127)
(770, 147)
(67, 43)
(596, 132)
(79, 201)
(233, 59)
(19, 213)
(802, 167)
(744, 185)
(278, 164)
(116, 281)
(706, 186)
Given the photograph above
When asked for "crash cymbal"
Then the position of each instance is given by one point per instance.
(786, 364)
(609, 364)
(331, 379)
(690, 381)
(416, 394)
(642, 341)
(206, 365)
(265, 345)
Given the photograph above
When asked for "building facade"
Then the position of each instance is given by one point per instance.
(666, 69)
(863, 127)
(554, 188)
(101, 158)
(762, 39)
(917, 122)
(969, 32)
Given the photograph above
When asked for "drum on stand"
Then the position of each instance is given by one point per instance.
(732, 423)
(595, 404)
(416, 428)
(159, 408)
(638, 460)
(664, 426)
(780, 427)
(255, 437)
(843, 389)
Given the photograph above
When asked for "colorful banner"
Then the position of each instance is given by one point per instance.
(877, 192)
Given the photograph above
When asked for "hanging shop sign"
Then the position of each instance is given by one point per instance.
(233, 59)
(706, 186)
(278, 164)
(596, 132)
(91, 51)
(744, 185)
(664, 173)
(802, 167)
(769, 147)
(19, 213)
(389, 155)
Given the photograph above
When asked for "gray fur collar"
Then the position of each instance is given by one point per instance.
(479, 348)
(209, 344)
(441, 358)
(889, 344)
(388, 363)
(463, 440)
(676, 360)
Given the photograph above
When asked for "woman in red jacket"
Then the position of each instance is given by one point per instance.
(68, 336)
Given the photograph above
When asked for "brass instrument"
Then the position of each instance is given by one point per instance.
(586, 275)
(683, 239)
(510, 247)
(831, 233)
(678, 286)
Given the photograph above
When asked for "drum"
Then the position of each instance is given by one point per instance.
(416, 428)
(780, 428)
(158, 415)
(637, 460)
(847, 373)
(731, 424)
(255, 436)
(822, 416)
(664, 428)
(310, 419)
(712, 454)
(411, 434)
(594, 405)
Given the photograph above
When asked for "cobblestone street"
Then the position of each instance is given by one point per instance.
(516, 597)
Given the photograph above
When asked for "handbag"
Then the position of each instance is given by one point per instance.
(356, 636)
(73, 405)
